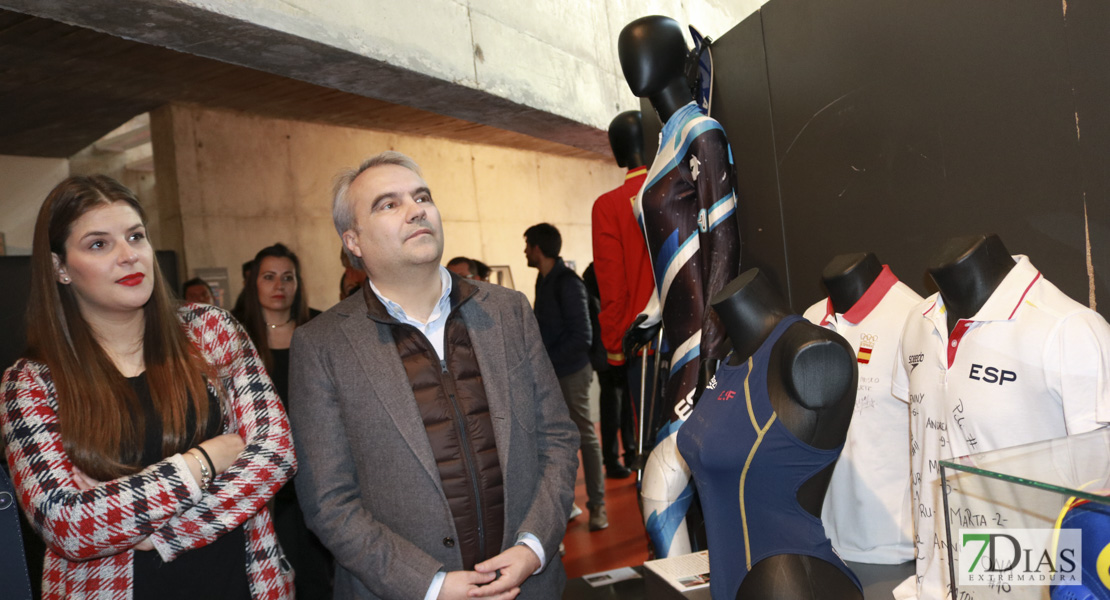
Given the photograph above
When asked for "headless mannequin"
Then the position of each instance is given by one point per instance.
(967, 271)
(811, 382)
(847, 278)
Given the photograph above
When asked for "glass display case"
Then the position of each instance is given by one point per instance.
(1012, 517)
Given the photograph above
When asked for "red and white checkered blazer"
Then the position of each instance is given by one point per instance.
(89, 534)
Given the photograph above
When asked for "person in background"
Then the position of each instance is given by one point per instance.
(144, 438)
(274, 305)
(614, 403)
(562, 310)
(352, 278)
(481, 270)
(463, 267)
(197, 290)
(237, 310)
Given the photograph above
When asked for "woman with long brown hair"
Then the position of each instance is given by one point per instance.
(274, 304)
(144, 438)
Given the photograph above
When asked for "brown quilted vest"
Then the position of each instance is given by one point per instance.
(453, 406)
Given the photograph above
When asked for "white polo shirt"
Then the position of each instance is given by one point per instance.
(1031, 365)
(867, 507)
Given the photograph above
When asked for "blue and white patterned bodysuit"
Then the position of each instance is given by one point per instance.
(687, 209)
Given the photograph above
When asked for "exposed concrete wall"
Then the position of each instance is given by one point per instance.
(242, 182)
(547, 68)
(24, 183)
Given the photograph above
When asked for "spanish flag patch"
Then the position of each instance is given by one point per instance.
(867, 343)
(864, 355)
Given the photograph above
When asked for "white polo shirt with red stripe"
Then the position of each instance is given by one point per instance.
(867, 507)
(1031, 365)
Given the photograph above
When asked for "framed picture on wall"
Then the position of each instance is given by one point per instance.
(502, 275)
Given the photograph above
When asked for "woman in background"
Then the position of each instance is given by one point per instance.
(274, 305)
(144, 439)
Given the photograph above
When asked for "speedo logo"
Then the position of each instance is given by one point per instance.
(915, 359)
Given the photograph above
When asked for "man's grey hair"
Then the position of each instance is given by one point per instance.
(342, 213)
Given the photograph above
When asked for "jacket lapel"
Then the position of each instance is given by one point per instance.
(388, 385)
(486, 330)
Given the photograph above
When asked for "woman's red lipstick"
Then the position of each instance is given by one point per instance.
(131, 280)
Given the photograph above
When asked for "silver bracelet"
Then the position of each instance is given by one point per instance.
(205, 475)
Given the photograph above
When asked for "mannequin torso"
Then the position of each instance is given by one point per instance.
(807, 375)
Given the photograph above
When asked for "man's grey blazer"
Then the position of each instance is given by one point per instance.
(368, 481)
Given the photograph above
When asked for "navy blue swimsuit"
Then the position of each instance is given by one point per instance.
(748, 467)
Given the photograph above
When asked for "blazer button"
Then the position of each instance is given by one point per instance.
(6, 500)
(448, 542)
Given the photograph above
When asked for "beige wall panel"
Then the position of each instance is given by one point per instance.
(317, 245)
(579, 183)
(449, 171)
(577, 245)
(462, 238)
(235, 147)
(508, 187)
(25, 181)
(317, 153)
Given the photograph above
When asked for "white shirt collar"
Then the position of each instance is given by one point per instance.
(442, 308)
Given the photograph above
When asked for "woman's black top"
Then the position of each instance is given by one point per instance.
(217, 571)
(280, 374)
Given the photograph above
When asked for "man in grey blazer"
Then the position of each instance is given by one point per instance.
(422, 379)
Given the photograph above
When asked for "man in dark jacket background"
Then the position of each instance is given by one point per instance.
(562, 311)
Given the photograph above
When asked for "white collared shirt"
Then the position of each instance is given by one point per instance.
(867, 512)
(437, 321)
(1032, 364)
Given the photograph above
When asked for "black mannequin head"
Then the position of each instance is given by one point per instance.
(626, 138)
(848, 276)
(653, 57)
(967, 270)
(749, 307)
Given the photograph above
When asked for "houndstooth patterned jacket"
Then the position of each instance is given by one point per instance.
(89, 533)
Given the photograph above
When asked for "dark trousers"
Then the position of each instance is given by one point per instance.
(618, 423)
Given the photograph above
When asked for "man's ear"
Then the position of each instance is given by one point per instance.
(59, 269)
(350, 241)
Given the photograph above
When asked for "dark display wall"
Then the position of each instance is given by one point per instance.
(872, 125)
